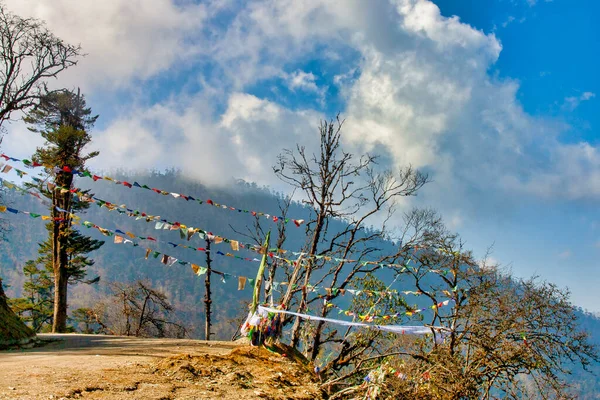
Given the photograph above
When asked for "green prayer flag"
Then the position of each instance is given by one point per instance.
(259, 275)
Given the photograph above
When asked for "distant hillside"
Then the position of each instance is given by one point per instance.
(125, 263)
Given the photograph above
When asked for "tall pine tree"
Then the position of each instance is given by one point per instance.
(63, 120)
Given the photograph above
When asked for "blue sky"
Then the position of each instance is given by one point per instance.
(549, 47)
(496, 99)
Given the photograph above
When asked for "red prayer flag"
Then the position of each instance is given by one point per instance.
(96, 177)
(129, 185)
(67, 169)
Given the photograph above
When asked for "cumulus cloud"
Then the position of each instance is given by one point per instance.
(414, 83)
(124, 40)
(242, 143)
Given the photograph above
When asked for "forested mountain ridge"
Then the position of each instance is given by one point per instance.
(126, 263)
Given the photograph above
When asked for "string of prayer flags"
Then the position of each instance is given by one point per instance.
(373, 317)
(95, 178)
(120, 239)
(162, 224)
(4, 209)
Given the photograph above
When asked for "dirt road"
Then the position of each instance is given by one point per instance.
(112, 367)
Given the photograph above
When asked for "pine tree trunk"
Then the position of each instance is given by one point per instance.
(60, 258)
(207, 299)
(59, 325)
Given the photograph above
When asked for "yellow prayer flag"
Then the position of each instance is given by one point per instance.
(195, 268)
(235, 245)
(241, 282)
(46, 217)
(2, 208)
(131, 235)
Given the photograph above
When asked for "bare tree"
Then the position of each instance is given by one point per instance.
(351, 192)
(30, 55)
(137, 310)
(499, 336)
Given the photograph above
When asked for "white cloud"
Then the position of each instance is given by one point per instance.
(302, 80)
(242, 143)
(572, 102)
(124, 40)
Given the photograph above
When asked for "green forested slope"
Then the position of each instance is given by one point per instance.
(125, 263)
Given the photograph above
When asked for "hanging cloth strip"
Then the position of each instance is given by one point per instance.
(398, 329)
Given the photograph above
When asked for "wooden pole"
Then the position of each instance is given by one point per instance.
(207, 299)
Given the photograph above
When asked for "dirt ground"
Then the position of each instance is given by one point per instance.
(109, 367)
